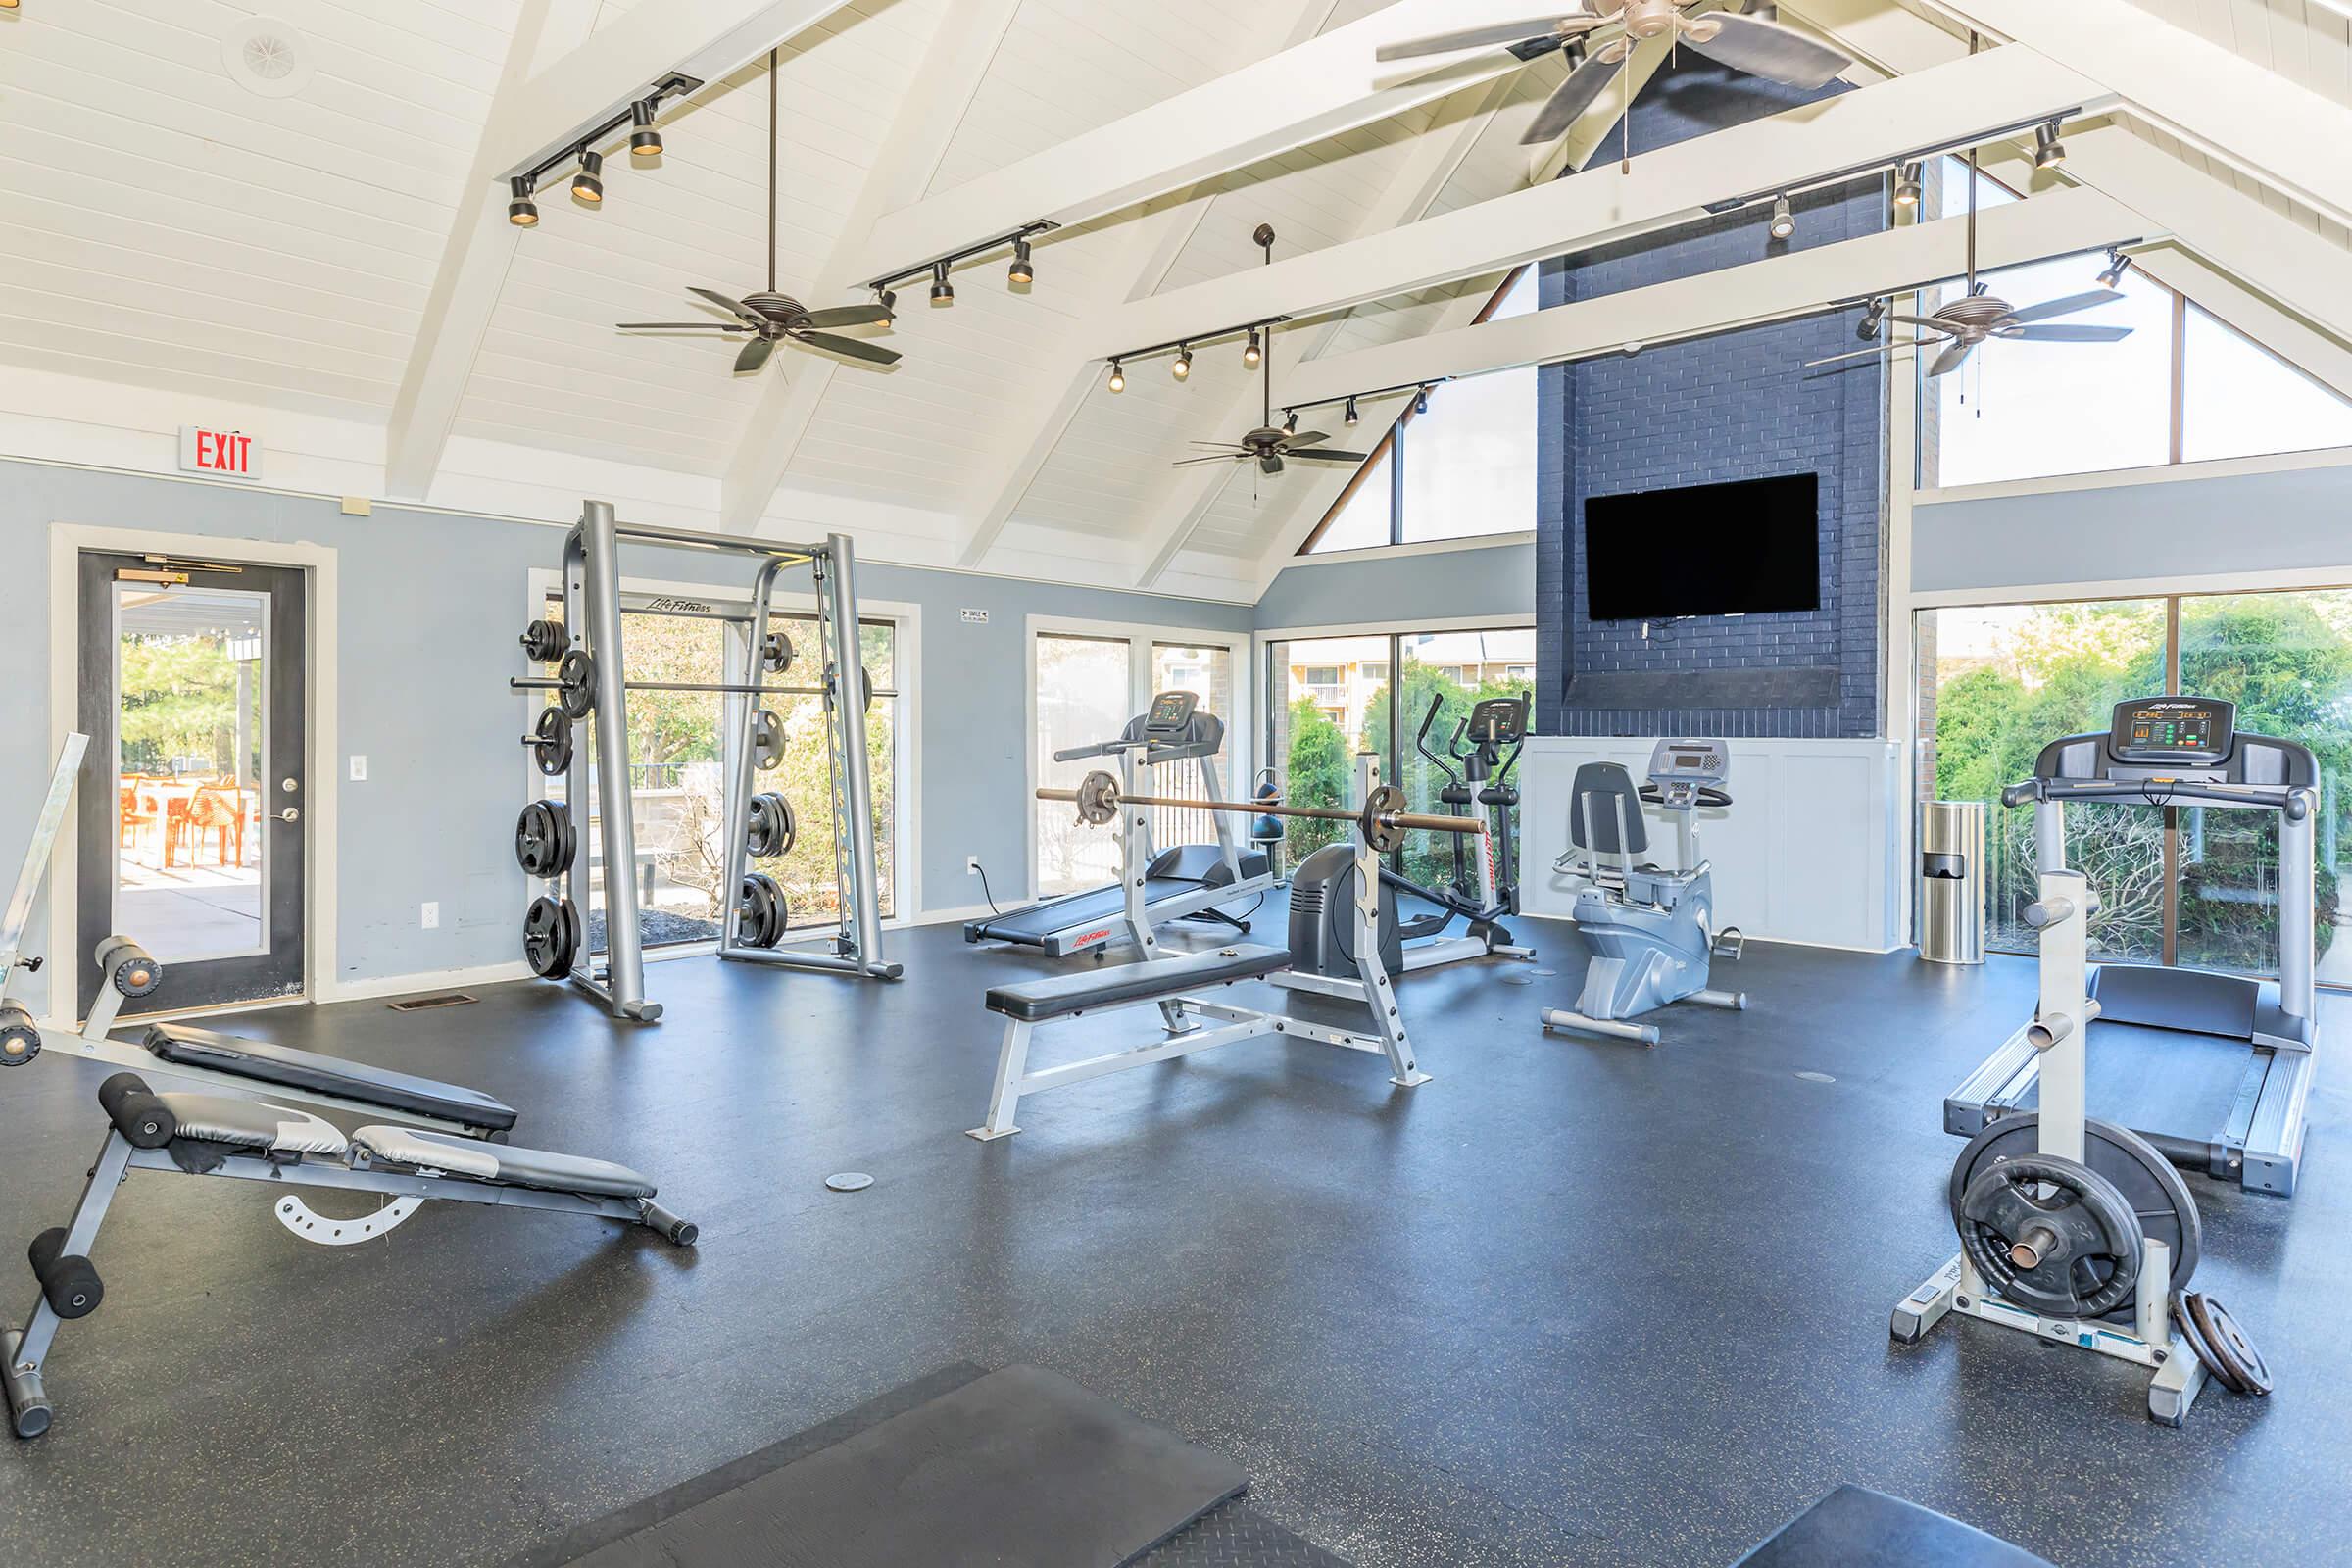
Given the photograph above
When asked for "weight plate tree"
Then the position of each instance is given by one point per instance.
(2147, 1181)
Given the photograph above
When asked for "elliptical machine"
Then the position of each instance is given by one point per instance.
(1651, 930)
(1483, 890)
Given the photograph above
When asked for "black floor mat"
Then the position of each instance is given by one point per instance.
(1238, 1536)
(1016, 1467)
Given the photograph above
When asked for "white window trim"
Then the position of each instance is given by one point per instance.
(2153, 474)
(905, 615)
(1239, 739)
(1418, 547)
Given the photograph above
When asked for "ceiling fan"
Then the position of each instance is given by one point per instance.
(1599, 37)
(773, 317)
(1980, 314)
(1270, 443)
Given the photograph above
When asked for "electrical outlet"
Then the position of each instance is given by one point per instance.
(359, 768)
(971, 865)
(433, 916)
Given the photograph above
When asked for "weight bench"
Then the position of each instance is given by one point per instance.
(1854, 1526)
(1164, 982)
(252, 1140)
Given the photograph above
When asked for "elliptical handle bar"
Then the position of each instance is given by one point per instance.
(1421, 742)
(2020, 794)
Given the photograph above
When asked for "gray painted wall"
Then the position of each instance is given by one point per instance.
(1499, 580)
(430, 605)
(2283, 520)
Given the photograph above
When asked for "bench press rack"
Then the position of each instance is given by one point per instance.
(1381, 827)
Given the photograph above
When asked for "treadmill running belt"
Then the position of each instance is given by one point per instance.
(1016, 1467)
(2162, 1080)
(1095, 907)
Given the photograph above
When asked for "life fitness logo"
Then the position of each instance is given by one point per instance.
(223, 453)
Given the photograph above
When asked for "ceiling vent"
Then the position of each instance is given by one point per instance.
(267, 57)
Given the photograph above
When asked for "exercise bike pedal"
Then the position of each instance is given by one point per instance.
(1730, 943)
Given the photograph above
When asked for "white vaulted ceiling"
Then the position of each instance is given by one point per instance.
(170, 232)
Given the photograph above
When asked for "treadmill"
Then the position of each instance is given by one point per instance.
(1187, 881)
(2213, 1069)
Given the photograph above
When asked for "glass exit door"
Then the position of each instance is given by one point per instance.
(193, 809)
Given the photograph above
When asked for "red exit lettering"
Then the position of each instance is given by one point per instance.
(223, 452)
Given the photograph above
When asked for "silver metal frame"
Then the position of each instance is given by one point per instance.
(2062, 1025)
(1183, 1035)
(592, 607)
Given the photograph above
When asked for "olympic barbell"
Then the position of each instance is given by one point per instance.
(1383, 822)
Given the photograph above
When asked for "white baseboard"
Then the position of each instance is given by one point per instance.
(970, 912)
(395, 985)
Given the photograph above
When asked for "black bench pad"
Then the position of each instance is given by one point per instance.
(1035, 1001)
(1854, 1526)
(283, 1065)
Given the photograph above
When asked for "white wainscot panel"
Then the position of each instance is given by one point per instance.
(1805, 852)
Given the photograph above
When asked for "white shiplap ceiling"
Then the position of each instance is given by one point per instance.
(165, 228)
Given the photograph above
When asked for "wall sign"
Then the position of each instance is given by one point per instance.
(975, 618)
(223, 453)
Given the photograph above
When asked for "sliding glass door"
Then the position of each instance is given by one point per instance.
(2192, 886)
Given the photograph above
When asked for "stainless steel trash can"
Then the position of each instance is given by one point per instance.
(1951, 882)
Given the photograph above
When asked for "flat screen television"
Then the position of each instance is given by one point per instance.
(1745, 548)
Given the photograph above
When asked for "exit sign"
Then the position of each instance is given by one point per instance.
(223, 454)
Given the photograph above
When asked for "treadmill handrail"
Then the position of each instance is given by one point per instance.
(2291, 799)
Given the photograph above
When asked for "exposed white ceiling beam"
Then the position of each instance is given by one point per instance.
(1317, 88)
(560, 82)
(2255, 119)
(1944, 106)
(941, 90)
(1892, 261)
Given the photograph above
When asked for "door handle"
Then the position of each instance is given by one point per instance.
(292, 813)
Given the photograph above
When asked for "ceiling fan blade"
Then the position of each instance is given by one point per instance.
(734, 308)
(755, 354)
(1219, 457)
(678, 326)
(1765, 49)
(842, 315)
(1324, 454)
(872, 353)
(2065, 307)
(1444, 43)
(1305, 438)
(1951, 358)
(2064, 334)
(1582, 88)
(1882, 348)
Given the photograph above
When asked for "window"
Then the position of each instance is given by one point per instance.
(808, 875)
(2192, 885)
(1083, 698)
(1465, 468)
(1376, 669)
(2184, 387)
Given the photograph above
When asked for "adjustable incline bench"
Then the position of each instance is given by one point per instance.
(453, 1147)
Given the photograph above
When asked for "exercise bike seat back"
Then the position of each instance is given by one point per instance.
(1606, 826)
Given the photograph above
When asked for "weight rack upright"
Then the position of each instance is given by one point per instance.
(592, 611)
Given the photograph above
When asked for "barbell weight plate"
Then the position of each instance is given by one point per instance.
(548, 937)
(551, 747)
(775, 652)
(1098, 799)
(2149, 1183)
(571, 849)
(773, 826)
(761, 911)
(865, 673)
(767, 740)
(2201, 1347)
(545, 641)
(1386, 837)
(2087, 1243)
(577, 693)
(2234, 1357)
(534, 835)
(575, 933)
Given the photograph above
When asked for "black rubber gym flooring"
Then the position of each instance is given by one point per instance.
(1571, 1302)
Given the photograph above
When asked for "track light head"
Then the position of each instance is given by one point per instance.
(644, 141)
(1023, 270)
(1118, 376)
(1421, 401)
(1290, 421)
(886, 307)
(1183, 366)
(588, 184)
(522, 212)
(1351, 416)
(1908, 186)
(942, 292)
(2048, 151)
(8, 5)
(2118, 264)
(1784, 220)
(1867, 329)
(1253, 353)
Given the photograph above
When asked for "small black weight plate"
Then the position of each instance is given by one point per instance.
(767, 740)
(577, 693)
(549, 938)
(775, 652)
(1386, 837)
(551, 744)
(2233, 1354)
(2050, 1235)
(760, 912)
(545, 641)
(2148, 1181)
(773, 826)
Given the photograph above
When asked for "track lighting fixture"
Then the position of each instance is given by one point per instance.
(8, 5)
(1253, 353)
(1351, 416)
(886, 305)
(1908, 186)
(1867, 329)
(1023, 271)
(522, 212)
(2048, 151)
(1118, 376)
(2118, 264)
(1290, 421)
(1018, 275)
(587, 185)
(942, 292)
(644, 141)
(1421, 400)
(1182, 364)
(1783, 222)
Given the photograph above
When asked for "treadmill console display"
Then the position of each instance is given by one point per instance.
(2197, 732)
(1171, 713)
